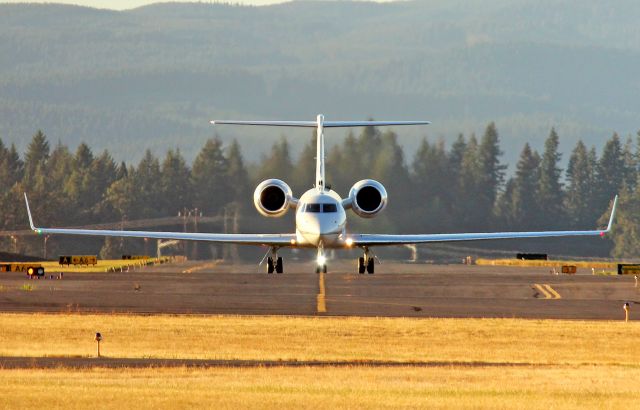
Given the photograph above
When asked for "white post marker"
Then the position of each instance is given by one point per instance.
(626, 311)
(98, 340)
(636, 277)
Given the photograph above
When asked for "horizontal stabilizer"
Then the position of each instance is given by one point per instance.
(325, 124)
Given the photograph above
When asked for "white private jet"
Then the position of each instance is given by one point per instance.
(320, 213)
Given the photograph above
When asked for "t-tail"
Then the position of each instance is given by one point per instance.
(320, 124)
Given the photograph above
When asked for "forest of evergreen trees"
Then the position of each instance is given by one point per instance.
(459, 188)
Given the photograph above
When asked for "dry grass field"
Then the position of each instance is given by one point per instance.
(556, 387)
(435, 363)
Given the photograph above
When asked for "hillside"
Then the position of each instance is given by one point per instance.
(154, 76)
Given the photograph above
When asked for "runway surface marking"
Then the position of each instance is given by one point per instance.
(201, 267)
(547, 291)
(552, 291)
(321, 298)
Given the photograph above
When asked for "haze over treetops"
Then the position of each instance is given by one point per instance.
(153, 76)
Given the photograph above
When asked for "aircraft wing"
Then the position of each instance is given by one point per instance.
(386, 240)
(240, 239)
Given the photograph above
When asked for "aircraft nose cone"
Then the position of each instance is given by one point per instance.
(326, 227)
(319, 230)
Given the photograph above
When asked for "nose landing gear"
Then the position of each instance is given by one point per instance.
(321, 266)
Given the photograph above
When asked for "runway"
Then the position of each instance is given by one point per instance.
(396, 290)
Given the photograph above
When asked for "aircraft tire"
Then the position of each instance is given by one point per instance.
(270, 267)
(279, 265)
(361, 265)
(370, 266)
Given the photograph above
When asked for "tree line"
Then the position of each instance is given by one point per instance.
(438, 188)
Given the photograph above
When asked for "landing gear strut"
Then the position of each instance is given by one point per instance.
(366, 263)
(274, 262)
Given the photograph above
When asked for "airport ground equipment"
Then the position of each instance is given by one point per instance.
(532, 256)
(628, 269)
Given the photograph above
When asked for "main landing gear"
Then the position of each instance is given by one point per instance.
(366, 263)
(274, 265)
(274, 262)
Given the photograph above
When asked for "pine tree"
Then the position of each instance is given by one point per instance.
(466, 213)
(304, 168)
(36, 156)
(345, 165)
(610, 172)
(491, 175)
(456, 155)
(368, 146)
(504, 210)
(210, 178)
(525, 205)
(581, 176)
(5, 177)
(630, 161)
(148, 190)
(122, 196)
(101, 174)
(75, 186)
(11, 172)
(175, 183)
(390, 169)
(549, 189)
(278, 164)
(122, 171)
(626, 230)
(432, 196)
(238, 175)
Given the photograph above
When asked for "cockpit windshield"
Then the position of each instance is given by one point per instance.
(314, 208)
(317, 208)
(329, 208)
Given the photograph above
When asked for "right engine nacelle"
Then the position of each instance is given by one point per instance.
(273, 198)
(368, 198)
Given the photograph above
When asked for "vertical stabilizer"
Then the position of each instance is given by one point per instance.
(320, 182)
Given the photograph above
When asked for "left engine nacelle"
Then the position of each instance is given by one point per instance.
(367, 198)
(273, 198)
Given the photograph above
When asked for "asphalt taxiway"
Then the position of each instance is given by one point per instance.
(396, 290)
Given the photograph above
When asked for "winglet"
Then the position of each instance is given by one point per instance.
(613, 213)
(29, 213)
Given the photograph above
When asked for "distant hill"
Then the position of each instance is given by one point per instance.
(154, 76)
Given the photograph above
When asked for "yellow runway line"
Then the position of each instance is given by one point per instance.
(555, 294)
(321, 298)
